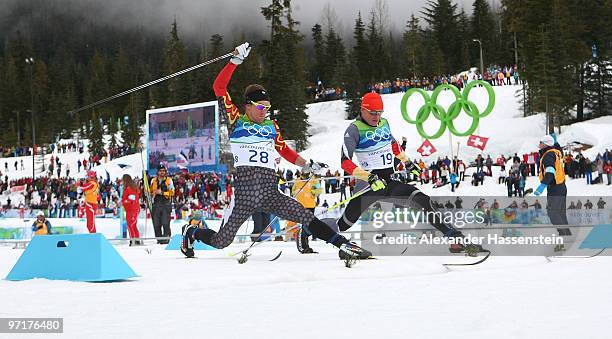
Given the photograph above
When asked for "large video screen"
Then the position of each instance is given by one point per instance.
(183, 137)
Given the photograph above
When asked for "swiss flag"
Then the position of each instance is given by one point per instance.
(477, 141)
(426, 148)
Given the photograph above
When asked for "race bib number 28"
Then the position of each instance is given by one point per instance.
(260, 154)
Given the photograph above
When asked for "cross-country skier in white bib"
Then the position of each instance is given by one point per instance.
(256, 142)
(369, 139)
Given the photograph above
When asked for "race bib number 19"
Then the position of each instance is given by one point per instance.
(382, 158)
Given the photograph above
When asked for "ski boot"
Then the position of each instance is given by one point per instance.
(301, 240)
(350, 250)
(136, 243)
(470, 250)
(350, 253)
(188, 241)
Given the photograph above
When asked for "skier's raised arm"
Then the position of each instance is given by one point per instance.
(223, 79)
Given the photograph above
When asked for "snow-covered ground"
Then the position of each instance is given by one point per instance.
(308, 296)
(315, 296)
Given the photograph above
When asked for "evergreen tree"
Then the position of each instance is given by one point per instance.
(40, 97)
(98, 83)
(598, 87)
(375, 69)
(482, 27)
(63, 93)
(465, 43)
(435, 63)
(4, 123)
(354, 90)
(512, 14)
(121, 79)
(541, 81)
(112, 130)
(202, 79)
(413, 46)
(17, 50)
(442, 17)
(361, 53)
(318, 63)
(175, 91)
(283, 72)
(570, 55)
(131, 131)
(355, 71)
(10, 107)
(96, 134)
(217, 48)
(334, 58)
(394, 55)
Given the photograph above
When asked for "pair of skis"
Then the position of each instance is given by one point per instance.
(351, 261)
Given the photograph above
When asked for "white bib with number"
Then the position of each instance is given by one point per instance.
(376, 159)
(260, 154)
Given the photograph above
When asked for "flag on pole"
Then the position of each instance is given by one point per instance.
(477, 141)
(426, 148)
(182, 162)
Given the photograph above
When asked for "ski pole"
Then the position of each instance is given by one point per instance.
(330, 178)
(323, 178)
(345, 201)
(118, 95)
(147, 194)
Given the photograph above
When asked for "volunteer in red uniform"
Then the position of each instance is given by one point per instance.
(131, 203)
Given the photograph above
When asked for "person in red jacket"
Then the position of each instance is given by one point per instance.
(131, 203)
(607, 169)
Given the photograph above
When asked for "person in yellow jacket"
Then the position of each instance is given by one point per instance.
(305, 191)
(162, 191)
(91, 191)
(41, 226)
(552, 179)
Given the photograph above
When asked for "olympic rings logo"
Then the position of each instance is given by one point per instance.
(446, 118)
(378, 134)
(263, 131)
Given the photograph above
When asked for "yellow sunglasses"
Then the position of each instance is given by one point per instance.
(261, 107)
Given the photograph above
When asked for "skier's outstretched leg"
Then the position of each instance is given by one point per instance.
(244, 202)
(288, 208)
(418, 199)
(423, 201)
(233, 218)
